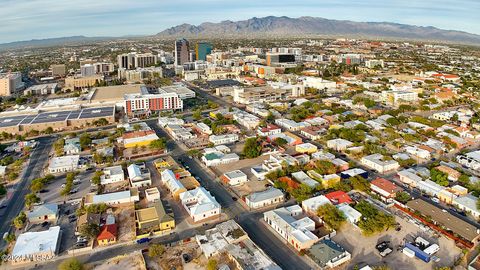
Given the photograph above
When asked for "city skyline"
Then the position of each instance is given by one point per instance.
(48, 19)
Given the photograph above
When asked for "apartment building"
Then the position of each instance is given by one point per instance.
(146, 103)
(379, 163)
(10, 83)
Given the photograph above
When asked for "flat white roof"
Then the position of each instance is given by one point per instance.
(37, 242)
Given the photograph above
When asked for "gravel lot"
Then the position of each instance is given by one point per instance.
(364, 252)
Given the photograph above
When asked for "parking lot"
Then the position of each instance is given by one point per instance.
(51, 192)
(364, 252)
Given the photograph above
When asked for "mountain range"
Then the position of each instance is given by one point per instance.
(311, 26)
(282, 27)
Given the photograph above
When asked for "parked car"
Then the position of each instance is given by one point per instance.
(143, 240)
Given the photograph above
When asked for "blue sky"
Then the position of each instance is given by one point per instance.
(33, 19)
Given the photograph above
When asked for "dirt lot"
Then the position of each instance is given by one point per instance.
(173, 258)
(133, 261)
(364, 252)
(244, 165)
(126, 220)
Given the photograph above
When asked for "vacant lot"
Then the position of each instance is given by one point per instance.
(133, 261)
(364, 252)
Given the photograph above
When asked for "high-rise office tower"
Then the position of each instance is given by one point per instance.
(182, 51)
(202, 49)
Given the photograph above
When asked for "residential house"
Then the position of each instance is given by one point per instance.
(45, 212)
(386, 189)
(303, 178)
(112, 175)
(270, 129)
(200, 204)
(453, 174)
(216, 158)
(223, 139)
(139, 175)
(327, 254)
(310, 206)
(264, 198)
(172, 183)
(468, 203)
(289, 223)
(339, 144)
(153, 220)
(306, 148)
(72, 146)
(152, 194)
(350, 213)
(379, 163)
(339, 197)
(108, 232)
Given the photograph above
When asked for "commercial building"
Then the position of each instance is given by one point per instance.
(145, 103)
(264, 198)
(202, 49)
(104, 68)
(10, 83)
(279, 59)
(260, 94)
(87, 70)
(215, 158)
(138, 75)
(379, 163)
(36, 246)
(399, 97)
(113, 199)
(318, 83)
(468, 203)
(339, 144)
(63, 164)
(443, 218)
(136, 60)
(289, 223)
(182, 51)
(200, 204)
(234, 178)
(139, 138)
(58, 70)
(79, 82)
(223, 139)
(58, 120)
(41, 89)
(153, 220)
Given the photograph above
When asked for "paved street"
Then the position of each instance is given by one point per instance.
(37, 162)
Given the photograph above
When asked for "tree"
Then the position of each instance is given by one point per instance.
(85, 140)
(10, 238)
(48, 130)
(156, 250)
(90, 230)
(31, 199)
(212, 264)
(439, 177)
(197, 115)
(96, 178)
(252, 148)
(36, 185)
(3, 190)
(325, 167)
(20, 220)
(360, 183)
(158, 144)
(71, 264)
(373, 220)
(280, 141)
(402, 197)
(58, 146)
(330, 214)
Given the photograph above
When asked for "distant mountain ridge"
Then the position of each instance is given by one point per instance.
(50, 42)
(304, 26)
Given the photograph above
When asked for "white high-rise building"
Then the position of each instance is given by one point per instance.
(10, 83)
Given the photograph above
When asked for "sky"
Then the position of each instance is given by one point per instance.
(37, 19)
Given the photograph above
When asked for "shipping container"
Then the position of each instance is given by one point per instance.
(408, 252)
(419, 253)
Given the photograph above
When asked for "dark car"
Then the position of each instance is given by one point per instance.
(3, 206)
(186, 258)
(45, 223)
(143, 240)
(43, 191)
(234, 198)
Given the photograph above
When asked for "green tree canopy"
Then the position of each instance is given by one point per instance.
(71, 264)
(252, 148)
(330, 214)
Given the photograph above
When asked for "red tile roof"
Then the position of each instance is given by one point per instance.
(338, 197)
(108, 232)
(386, 185)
